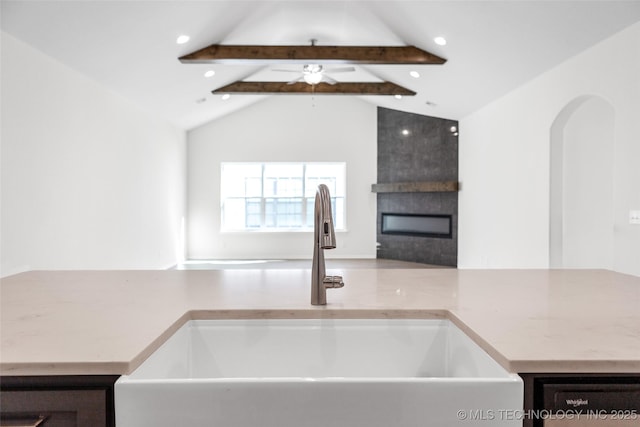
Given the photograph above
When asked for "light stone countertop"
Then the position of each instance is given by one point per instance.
(108, 322)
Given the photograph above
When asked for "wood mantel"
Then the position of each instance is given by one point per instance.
(416, 187)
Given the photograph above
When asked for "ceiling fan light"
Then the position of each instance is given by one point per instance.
(312, 73)
(312, 78)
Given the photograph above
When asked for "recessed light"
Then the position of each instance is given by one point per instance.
(209, 73)
(182, 39)
(405, 132)
(414, 74)
(441, 41)
(226, 96)
(398, 96)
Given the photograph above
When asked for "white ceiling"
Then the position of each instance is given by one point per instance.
(493, 46)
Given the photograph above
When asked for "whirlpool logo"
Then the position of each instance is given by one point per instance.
(576, 403)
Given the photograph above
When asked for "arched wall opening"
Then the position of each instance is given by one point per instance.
(581, 193)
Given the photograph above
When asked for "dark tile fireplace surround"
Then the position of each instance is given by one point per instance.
(417, 181)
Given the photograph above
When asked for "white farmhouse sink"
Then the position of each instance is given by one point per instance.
(308, 373)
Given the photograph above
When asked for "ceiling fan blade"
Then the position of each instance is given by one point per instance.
(328, 79)
(284, 71)
(340, 70)
(299, 79)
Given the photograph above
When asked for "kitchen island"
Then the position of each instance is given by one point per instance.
(105, 323)
(108, 322)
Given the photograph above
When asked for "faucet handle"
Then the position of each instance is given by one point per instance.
(333, 282)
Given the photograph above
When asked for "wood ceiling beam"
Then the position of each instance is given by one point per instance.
(248, 54)
(284, 88)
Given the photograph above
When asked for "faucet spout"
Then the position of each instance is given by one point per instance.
(324, 237)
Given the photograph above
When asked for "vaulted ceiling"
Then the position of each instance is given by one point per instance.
(492, 46)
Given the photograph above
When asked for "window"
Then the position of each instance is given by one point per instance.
(278, 196)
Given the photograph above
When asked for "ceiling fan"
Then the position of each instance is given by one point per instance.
(315, 73)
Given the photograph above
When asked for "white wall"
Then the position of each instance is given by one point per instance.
(587, 186)
(505, 168)
(89, 181)
(284, 128)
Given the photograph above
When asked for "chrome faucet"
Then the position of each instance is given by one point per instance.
(324, 237)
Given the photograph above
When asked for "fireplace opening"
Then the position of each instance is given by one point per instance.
(423, 225)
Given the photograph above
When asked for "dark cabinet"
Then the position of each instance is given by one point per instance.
(581, 399)
(57, 401)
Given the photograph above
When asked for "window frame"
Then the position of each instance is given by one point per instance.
(306, 201)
